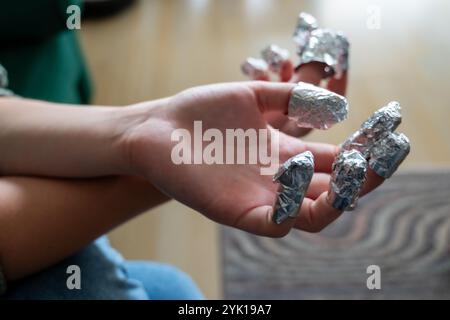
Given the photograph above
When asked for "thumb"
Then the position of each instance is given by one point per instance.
(259, 221)
(272, 96)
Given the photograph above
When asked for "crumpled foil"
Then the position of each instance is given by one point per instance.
(294, 177)
(255, 68)
(274, 57)
(388, 153)
(315, 107)
(379, 124)
(348, 177)
(321, 45)
(305, 24)
(329, 47)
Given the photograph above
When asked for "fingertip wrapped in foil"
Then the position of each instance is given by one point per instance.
(378, 143)
(255, 68)
(315, 107)
(379, 124)
(347, 179)
(329, 47)
(321, 45)
(388, 153)
(305, 24)
(294, 177)
(274, 56)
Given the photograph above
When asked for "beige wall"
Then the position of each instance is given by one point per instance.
(160, 47)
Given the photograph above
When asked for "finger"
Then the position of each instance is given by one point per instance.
(372, 181)
(281, 122)
(320, 183)
(286, 71)
(276, 119)
(314, 215)
(338, 86)
(263, 77)
(259, 221)
(324, 153)
(312, 72)
(272, 96)
(291, 128)
(284, 124)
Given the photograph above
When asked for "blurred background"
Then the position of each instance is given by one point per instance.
(157, 48)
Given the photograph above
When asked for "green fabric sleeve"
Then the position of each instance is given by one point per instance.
(32, 20)
(51, 70)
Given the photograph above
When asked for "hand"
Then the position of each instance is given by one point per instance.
(234, 195)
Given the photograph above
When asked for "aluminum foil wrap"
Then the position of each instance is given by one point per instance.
(388, 153)
(321, 45)
(378, 125)
(329, 47)
(305, 24)
(348, 177)
(294, 177)
(314, 107)
(255, 68)
(274, 57)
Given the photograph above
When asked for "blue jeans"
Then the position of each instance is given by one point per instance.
(106, 275)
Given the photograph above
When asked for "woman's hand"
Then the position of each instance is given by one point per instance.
(40, 138)
(232, 194)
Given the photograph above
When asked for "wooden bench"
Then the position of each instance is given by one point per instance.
(403, 227)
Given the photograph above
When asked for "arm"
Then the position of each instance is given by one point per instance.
(42, 138)
(137, 140)
(43, 221)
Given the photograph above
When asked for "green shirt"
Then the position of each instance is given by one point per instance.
(42, 56)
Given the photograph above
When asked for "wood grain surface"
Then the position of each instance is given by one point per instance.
(403, 227)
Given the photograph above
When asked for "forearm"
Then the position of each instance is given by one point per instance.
(41, 138)
(44, 220)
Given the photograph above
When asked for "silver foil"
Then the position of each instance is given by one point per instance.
(329, 47)
(274, 57)
(388, 153)
(305, 24)
(378, 125)
(294, 177)
(348, 177)
(321, 45)
(254, 68)
(315, 107)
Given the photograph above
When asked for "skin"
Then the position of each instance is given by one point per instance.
(45, 220)
(247, 203)
(120, 158)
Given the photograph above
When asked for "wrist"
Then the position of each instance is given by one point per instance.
(137, 130)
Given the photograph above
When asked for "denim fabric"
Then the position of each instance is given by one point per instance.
(106, 275)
